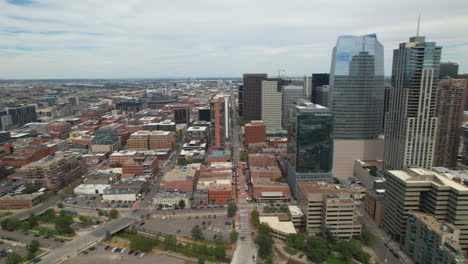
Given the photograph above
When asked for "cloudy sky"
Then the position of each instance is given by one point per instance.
(201, 38)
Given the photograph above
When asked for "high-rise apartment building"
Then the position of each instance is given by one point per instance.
(272, 97)
(318, 79)
(388, 90)
(220, 120)
(357, 87)
(431, 241)
(181, 114)
(411, 122)
(465, 145)
(328, 207)
(252, 99)
(425, 191)
(290, 95)
(310, 144)
(465, 76)
(450, 97)
(448, 69)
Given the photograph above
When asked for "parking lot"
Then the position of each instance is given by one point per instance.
(25, 237)
(94, 201)
(210, 224)
(6, 249)
(102, 256)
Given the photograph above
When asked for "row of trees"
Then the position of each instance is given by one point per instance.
(319, 249)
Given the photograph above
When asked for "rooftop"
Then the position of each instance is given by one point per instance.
(285, 227)
(295, 210)
(415, 175)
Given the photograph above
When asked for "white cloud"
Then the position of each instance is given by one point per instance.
(146, 38)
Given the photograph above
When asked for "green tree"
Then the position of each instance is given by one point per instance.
(32, 220)
(146, 187)
(231, 209)
(265, 243)
(233, 236)
(201, 260)
(160, 206)
(108, 236)
(366, 237)
(255, 215)
(244, 156)
(49, 215)
(182, 204)
(141, 243)
(219, 251)
(60, 205)
(63, 224)
(113, 214)
(172, 240)
(317, 249)
(296, 241)
(13, 258)
(329, 236)
(197, 233)
(10, 224)
(33, 247)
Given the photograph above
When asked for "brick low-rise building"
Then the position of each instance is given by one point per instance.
(19, 201)
(262, 160)
(270, 172)
(52, 172)
(255, 132)
(139, 166)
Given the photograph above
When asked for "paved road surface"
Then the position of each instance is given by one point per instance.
(246, 249)
(73, 247)
(382, 243)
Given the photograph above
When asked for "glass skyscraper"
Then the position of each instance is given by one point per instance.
(411, 121)
(356, 93)
(310, 144)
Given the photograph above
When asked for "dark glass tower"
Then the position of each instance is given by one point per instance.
(318, 79)
(356, 94)
(252, 96)
(310, 144)
(449, 69)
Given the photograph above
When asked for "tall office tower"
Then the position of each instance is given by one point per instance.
(241, 100)
(290, 95)
(181, 114)
(219, 106)
(307, 88)
(310, 144)
(449, 111)
(448, 69)
(411, 122)
(388, 90)
(318, 79)
(357, 87)
(272, 96)
(253, 96)
(356, 96)
(322, 95)
(425, 191)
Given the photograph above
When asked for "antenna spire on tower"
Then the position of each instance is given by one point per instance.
(419, 20)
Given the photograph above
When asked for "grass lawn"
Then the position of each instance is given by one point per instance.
(290, 251)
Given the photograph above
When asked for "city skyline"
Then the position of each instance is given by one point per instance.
(129, 39)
